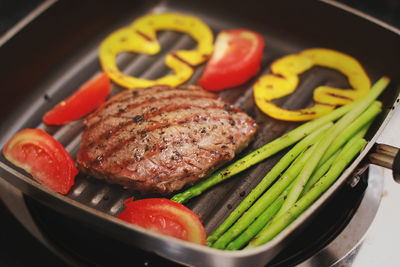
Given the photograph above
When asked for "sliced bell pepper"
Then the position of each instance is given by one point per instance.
(86, 99)
(166, 217)
(284, 80)
(236, 58)
(39, 154)
(141, 37)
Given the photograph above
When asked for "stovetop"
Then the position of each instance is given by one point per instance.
(379, 248)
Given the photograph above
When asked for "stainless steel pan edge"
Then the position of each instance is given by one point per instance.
(173, 249)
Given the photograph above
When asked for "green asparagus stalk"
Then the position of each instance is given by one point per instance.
(283, 163)
(278, 144)
(352, 148)
(265, 217)
(321, 170)
(363, 131)
(322, 147)
(260, 222)
(366, 117)
(373, 110)
(266, 199)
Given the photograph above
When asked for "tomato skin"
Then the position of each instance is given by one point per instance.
(86, 99)
(166, 217)
(236, 58)
(39, 154)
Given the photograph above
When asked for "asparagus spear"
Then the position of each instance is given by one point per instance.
(266, 216)
(373, 110)
(260, 222)
(285, 161)
(278, 144)
(365, 118)
(266, 199)
(309, 167)
(352, 148)
(321, 170)
(322, 147)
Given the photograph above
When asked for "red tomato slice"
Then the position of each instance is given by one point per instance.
(236, 58)
(166, 217)
(39, 154)
(86, 99)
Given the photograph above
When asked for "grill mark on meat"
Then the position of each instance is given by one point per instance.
(165, 166)
(144, 92)
(157, 150)
(216, 152)
(170, 95)
(176, 156)
(154, 112)
(231, 109)
(170, 168)
(191, 165)
(121, 111)
(110, 151)
(147, 116)
(210, 153)
(156, 100)
(140, 93)
(115, 149)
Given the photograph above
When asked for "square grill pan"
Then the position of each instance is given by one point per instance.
(58, 51)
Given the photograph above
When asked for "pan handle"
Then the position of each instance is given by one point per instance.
(387, 157)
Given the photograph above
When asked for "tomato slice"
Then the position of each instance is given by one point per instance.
(236, 58)
(166, 217)
(39, 154)
(86, 99)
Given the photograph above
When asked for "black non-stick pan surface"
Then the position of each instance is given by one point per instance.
(58, 51)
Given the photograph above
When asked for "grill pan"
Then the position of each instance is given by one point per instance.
(49, 58)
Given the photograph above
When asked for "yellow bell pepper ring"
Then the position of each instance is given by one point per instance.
(284, 79)
(141, 37)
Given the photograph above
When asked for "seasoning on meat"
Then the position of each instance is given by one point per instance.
(160, 139)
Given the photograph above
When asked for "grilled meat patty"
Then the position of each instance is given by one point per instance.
(160, 139)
